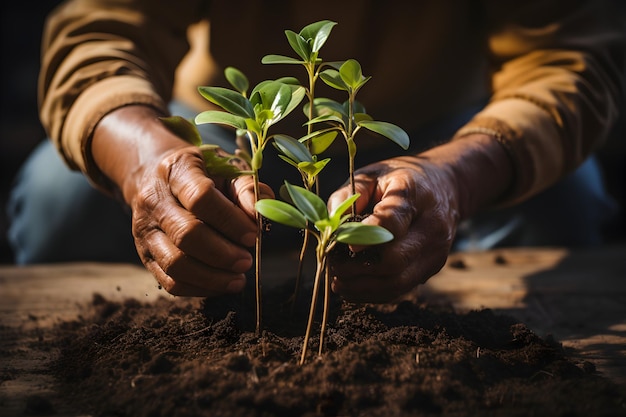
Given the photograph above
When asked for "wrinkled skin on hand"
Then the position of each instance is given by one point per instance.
(188, 232)
(411, 198)
(421, 200)
(194, 233)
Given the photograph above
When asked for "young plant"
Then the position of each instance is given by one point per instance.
(268, 103)
(306, 44)
(349, 117)
(309, 212)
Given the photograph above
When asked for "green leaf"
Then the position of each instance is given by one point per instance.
(299, 45)
(183, 128)
(331, 118)
(253, 126)
(389, 130)
(292, 148)
(281, 212)
(339, 211)
(291, 81)
(313, 207)
(237, 79)
(257, 160)
(289, 161)
(351, 147)
(219, 166)
(322, 106)
(320, 143)
(351, 73)
(297, 95)
(221, 117)
(359, 117)
(318, 32)
(276, 97)
(284, 194)
(313, 168)
(280, 59)
(231, 101)
(280, 99)
(332, 78)
(356, 233)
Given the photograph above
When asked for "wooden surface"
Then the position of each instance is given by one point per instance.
(578, 297)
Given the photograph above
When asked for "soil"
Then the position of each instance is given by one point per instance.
(202, 357)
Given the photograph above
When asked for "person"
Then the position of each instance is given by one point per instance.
(505, 103)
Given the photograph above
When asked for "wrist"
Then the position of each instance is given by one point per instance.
(479, 170)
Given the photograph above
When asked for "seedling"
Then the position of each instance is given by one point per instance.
(349, 117)
(307, 45)
(309, 212)
(270, 101)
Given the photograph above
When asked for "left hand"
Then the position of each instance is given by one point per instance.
(413, 199)
(421, 201)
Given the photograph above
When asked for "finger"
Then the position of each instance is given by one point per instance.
(196, 239)
(243, 193)
(200, 196)
(167, 263)
(397, 205)
(365, 185)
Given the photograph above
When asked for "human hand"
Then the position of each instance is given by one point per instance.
(420, 200)
(192, 232)
(412, 198)
(188, 233)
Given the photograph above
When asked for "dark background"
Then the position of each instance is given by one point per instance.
(20, 132)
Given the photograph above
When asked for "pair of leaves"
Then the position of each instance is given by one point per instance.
(298, 155)
(269, 102)
(306, 44)
(308, 208)
(349, 77)
(330, 111)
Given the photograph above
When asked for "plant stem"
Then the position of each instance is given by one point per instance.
(310, 69)
(326, 306)
(316, 284)
(257, 255)
(351, 148)
(303, 250)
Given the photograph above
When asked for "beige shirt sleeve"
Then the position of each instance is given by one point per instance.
(558, 76)
(557, 71)
(101, 55)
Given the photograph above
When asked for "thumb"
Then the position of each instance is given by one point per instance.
(243, 193)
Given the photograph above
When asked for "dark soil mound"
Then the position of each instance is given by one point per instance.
(194, 357)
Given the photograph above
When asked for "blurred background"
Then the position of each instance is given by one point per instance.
(21, 131)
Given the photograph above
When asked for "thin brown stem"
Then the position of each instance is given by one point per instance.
(316, 284)
(257, 256)
(303, 250)
(326, 307)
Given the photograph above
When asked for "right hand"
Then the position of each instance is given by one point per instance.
(191, 231)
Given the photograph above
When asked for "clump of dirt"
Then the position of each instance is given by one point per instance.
(197, 357)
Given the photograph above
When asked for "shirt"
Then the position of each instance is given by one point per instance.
(552, 71)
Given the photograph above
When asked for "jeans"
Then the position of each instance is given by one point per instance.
(56, 216)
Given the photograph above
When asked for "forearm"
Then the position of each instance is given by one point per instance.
(478, 168)
(127, 140)
(557, 74)
(86, 75)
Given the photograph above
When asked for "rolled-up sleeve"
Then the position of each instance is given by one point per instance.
(558, 74)
(98, 56)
